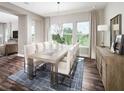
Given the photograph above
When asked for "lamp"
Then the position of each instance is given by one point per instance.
(102, 28)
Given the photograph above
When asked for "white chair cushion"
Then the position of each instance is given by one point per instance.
(63, 68)
(29, 50)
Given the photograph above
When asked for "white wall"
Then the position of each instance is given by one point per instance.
(39, 29)
(15, 25)
(24, 21)
(100, 21)
(111, 10)
(84, 16)
(25, 36)
(8, 19)
(47, 28)
(22, 34)
(25, 28)
(4, 30)
(1, 32)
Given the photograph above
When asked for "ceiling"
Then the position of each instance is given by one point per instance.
(7, 18)
(51, 8)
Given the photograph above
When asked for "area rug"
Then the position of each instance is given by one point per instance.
(42, 80)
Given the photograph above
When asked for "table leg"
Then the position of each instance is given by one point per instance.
(30, 68)
(54, 75)
(51, 77)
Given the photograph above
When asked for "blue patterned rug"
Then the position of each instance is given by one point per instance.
(42, 80)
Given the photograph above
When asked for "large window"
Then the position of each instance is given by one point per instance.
(54, 29)
(67, 33)
(83, 33)
(56, 33)
(62, 34)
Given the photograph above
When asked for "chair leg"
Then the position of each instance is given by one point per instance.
(35, 72)
(44, 66)
(70, 81)
(24, 66)
(74, 68)
(62, 81)
(70, 77)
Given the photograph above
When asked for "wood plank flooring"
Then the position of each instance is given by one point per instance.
(12, 64)
(91, 78)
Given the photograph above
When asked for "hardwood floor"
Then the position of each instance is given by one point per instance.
(10, 65)
(91, 78)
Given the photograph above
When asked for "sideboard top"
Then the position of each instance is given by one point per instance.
(105, 52)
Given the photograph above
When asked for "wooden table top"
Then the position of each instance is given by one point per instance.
(50, 55)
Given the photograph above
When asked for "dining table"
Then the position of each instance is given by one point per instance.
(52, 56)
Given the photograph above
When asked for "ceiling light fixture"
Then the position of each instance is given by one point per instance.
(58, 3)
(59, 27)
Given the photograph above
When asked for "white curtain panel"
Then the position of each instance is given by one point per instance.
(47, 29)
(93, 29)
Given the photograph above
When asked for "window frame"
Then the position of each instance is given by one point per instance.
(68, 33)
(82, 34)
(33, 28)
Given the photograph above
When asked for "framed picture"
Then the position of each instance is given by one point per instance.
(115, 27)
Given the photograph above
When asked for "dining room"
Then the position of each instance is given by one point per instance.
(56, 50)
(52, 63)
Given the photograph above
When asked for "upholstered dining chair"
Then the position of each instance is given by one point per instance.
(29, 50)
(76, 49)
(47, 45)
(65, 67)
(75, 52)
(39, 47)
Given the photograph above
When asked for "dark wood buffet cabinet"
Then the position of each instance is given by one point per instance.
(111, 68)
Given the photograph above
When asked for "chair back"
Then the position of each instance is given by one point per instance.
(76, 48)
(72, 53)
(39, 47)
(70, 58)
(47, 45)
(28, 50)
